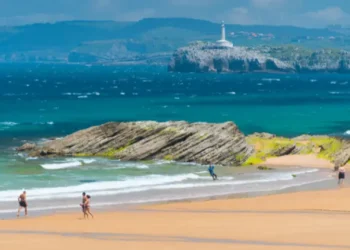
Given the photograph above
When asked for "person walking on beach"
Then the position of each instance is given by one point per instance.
(22, 200)
(83, 203)
(341, 176)
(87, 207)
(211, 172)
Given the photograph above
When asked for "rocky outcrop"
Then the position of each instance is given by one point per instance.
(180, 141)
(26, 147)
(207, 57)
(336, 150)
(342, 157)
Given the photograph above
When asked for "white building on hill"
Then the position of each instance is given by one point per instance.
(223, 42)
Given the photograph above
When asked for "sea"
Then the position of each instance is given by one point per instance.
(43, 101)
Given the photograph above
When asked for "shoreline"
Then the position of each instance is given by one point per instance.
(104, 204)
(258, 223)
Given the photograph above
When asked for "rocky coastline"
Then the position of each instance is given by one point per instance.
(204, 143)
(206, 57)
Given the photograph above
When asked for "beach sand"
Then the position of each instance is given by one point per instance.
(309, 160)
(304, 220)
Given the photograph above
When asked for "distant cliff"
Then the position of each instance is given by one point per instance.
(207, 57)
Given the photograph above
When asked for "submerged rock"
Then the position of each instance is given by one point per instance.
(179, 141)
(26, 147)
(264, 168)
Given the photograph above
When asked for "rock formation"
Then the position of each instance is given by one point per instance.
(206, 57)
(180, 141)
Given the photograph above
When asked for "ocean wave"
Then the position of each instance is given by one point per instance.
(56, 166)
(67, 164)
(284, 176)
(156, 182)
(7, 125)
(104, 187)
(31, 158)
(184, 195)
(347, 132)
(126, 165)
(82, 95)
(202, 172)
(271, 79)
(143, 166)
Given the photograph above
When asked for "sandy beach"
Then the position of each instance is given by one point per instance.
(309, 160)
(303, 220)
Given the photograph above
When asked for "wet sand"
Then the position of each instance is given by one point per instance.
(302, 220)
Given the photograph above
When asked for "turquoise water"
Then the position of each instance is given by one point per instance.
(41, 101)
(51, 100)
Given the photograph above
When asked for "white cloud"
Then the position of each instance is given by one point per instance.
(329, 15)
(267, 3)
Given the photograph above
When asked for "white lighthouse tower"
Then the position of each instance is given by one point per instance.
(223, 42)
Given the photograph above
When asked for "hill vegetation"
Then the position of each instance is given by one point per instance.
(110, 41)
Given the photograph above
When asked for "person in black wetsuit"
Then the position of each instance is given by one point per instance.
(22, 200)
(211, 172)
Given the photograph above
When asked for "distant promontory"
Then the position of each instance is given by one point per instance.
(208, 57)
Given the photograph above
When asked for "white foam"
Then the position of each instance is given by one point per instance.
(271, 79)
(105, 187)
(68, 163)
(347, 132)
(8, 124)
(88, 161)
(142, 167)
(231, 93)
(152, 182)
(31, 158)
(55, 166)
(202, 172)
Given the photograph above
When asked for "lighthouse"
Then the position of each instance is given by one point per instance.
(223, 42)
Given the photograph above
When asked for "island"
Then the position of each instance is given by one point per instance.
(223, 56)
(204, 143)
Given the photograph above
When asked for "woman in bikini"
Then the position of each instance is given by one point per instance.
(87, 207)
(341, 176)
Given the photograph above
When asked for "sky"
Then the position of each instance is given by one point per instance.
(305, 13)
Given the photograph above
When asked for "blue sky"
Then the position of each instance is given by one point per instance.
(307, 13)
